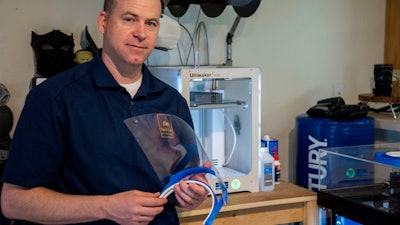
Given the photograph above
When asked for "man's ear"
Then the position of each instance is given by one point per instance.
(101, 21)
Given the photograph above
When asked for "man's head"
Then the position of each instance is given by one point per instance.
(130, 29)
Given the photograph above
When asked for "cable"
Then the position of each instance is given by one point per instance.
(191, 45)
(197, 44)
(234, 138)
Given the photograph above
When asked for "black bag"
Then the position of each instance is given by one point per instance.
(324, 107)
(335, 108)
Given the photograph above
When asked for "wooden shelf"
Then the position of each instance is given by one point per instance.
(390, 100)
(287, 203)
(370, 97)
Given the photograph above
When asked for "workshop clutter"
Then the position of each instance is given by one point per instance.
(336, 108)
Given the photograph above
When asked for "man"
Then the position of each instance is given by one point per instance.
(73, 160)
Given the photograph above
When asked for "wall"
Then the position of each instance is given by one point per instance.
(303, 48)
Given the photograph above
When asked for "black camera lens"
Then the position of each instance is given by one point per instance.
(383, 79)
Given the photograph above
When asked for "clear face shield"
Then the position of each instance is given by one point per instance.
(175, 153)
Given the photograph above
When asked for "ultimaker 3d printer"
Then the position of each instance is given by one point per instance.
(225, 107)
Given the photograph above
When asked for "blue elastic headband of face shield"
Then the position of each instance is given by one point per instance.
(216, 203)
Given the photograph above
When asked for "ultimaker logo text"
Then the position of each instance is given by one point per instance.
(316, 165)
(200, 75)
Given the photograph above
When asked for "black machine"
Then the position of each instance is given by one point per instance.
(213, 8)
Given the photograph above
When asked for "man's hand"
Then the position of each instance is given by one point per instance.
(191, 195)
(45, 206)
(135, 207)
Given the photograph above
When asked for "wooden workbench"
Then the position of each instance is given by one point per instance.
(287, 203)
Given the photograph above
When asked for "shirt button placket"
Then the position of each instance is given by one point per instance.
(132, 109)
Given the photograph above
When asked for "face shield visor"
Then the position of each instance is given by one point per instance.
(175, 153)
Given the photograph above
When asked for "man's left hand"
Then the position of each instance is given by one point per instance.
(191, 195)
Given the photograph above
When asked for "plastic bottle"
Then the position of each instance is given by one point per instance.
(264, 140)
(267, 175)
(277, 169)
(270, 143)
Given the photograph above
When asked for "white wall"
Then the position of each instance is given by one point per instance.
(303, 48)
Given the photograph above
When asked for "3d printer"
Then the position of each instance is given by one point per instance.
(225, 107)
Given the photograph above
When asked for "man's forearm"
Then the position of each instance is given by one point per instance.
(41, 205)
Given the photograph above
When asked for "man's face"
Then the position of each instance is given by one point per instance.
(130, 30)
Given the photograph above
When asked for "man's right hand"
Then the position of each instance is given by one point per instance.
(134, 207)
(44, 206)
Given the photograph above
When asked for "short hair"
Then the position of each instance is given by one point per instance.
(110, 4)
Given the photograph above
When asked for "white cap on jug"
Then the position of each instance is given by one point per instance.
(267, 137)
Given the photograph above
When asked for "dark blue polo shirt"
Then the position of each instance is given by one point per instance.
(71, 136)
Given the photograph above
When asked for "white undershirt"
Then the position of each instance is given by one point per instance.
(132, 88)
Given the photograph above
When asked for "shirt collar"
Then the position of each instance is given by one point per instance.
(104, 79)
